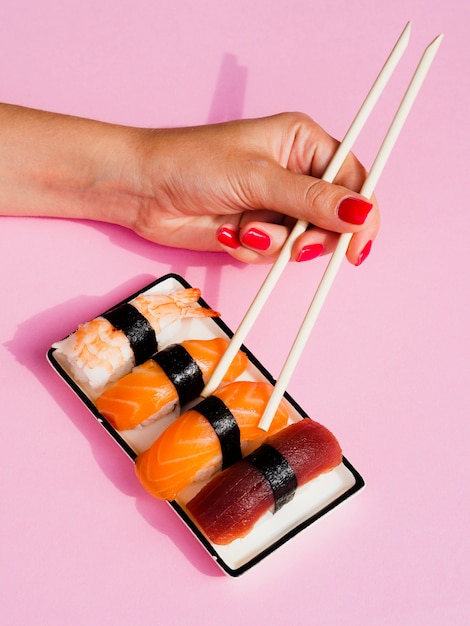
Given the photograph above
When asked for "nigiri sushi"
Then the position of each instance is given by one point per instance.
(213, 434)
(108, 347)
(175, 375)
(228, 507)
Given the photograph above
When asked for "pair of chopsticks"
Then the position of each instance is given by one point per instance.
(344, 239)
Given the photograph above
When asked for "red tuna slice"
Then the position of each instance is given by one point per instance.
(228, 507)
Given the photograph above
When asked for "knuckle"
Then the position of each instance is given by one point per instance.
(320, 196)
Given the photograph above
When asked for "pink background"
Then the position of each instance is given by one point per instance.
(386, 367)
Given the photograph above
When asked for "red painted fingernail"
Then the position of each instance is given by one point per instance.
(310, 252)
(228, 237)
(254, 238)
(354, 210)
(365, 253)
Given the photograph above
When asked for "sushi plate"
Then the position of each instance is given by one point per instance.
(310, 502)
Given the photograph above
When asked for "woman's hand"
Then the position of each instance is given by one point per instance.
(240, 186)
(237, 186)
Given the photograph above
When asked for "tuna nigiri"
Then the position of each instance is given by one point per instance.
(215, 433)
(175, 375)
(108, 347)
(228, 507)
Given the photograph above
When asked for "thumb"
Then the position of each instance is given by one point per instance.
(326, 205)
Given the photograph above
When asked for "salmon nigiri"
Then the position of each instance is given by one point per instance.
(174, 376)
(110, 345)
(214, 434)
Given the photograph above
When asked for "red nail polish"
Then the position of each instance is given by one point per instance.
(254, 238)
(228, 237)
(310, 252)
(365, 253)
(354, 210)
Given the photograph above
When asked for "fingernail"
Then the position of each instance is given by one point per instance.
(365, 253)
(228, 237)
(254, 238)
(309, 252)
(354, 210)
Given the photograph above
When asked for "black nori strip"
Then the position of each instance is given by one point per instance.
(277, 471)
(137, 329)
(225, 426)
(182, 370)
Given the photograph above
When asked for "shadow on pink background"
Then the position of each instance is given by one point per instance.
(386, 368)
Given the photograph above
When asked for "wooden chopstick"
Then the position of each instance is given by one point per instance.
(301, 225)
(340, 251)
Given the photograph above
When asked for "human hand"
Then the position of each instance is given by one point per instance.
(240, 186)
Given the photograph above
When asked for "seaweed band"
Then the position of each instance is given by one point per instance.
(277, 471)
(137, 329)
(182, 370)
(225, 427)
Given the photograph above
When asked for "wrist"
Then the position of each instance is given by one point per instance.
(99, 177)
(109, 187)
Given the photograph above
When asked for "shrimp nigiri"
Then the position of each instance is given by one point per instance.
(108, 347)
(214, 434)
(175, 375)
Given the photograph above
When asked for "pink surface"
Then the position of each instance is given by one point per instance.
(386, 368)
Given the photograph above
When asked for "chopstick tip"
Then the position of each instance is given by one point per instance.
(405, 35)
(434, 45)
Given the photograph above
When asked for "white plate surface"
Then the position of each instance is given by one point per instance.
(309, 503)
